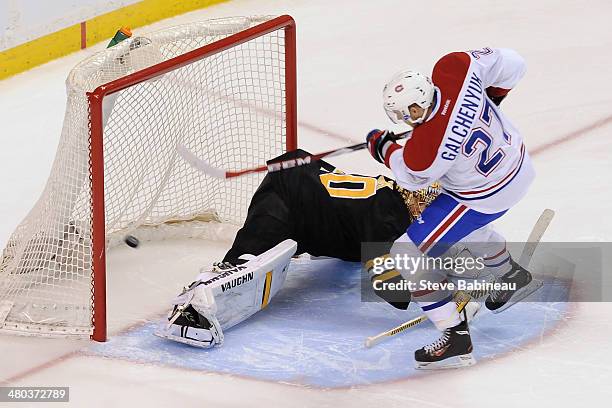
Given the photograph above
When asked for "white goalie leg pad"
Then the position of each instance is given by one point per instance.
(248, 288)
(227, 296)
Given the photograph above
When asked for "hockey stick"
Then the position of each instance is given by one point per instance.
(207, 168)
(534, 237)
(463, 298)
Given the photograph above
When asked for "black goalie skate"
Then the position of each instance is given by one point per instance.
(520, 285)
(452, 350)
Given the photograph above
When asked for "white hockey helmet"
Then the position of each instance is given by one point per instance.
(404, 89)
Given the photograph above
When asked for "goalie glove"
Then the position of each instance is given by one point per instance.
(381, 143)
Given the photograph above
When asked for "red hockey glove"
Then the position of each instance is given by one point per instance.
(381, 143)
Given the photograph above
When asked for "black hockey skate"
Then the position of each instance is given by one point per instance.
(521, 284)
(452, 350)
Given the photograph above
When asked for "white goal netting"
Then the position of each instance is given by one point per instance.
(228, 108)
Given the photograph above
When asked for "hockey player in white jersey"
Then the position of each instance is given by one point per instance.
(463, 140)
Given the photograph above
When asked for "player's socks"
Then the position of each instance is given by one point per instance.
(498, 264)
(452, 350)
(523, 285)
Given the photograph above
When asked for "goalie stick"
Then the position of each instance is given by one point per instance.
(207, 168)
(462, 298)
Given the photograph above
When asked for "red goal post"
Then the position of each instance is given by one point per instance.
(95, 98)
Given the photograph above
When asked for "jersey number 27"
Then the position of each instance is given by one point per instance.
(480, 139)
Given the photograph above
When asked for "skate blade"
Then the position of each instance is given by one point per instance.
(189, 342)
(521, 294)
(464, 360)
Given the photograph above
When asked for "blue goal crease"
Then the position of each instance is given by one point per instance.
(313, 333)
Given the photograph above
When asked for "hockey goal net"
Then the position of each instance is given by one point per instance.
(223, 88)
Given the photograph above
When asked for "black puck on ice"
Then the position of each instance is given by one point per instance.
(132, 241)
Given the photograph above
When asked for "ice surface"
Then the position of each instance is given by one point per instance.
(531, 355)
(313, 334)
